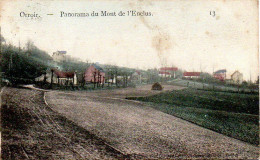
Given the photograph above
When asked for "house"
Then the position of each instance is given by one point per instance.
(220, 74)
(237, 77)
(168, 72)
(65, 78)
(58, 77)
(191, 75)
(59, 56)
(165, 74)
(94, 74)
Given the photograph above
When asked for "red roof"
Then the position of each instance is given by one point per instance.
(61, 74)
(168, 69)
(191, 74)
(161, 72)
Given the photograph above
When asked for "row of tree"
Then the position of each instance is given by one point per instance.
(19, 65)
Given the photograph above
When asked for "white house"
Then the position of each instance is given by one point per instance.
(59, 56)
(58, 77)
(237, 77)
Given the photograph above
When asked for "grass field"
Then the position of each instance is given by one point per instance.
(232, 114)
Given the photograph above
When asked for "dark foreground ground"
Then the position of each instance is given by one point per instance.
(31, 130)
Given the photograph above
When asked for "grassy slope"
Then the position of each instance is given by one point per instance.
(235, 115)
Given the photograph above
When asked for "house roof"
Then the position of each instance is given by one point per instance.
(191, 74)
(235, 72)
(62, 74)
(63, 52)
(97, 67)
(168, 69)
(220, 71)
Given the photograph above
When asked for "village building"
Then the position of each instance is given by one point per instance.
(168, 72)
(59, 56)
(165, 74)
(220, 74)
(94, 74)
(191, 75)
(58, 77)
(237, 77)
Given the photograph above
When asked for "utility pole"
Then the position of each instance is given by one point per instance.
(10, 62)
(250, 78)
(250, 83)
(213, 77)
(0, 57)
(19, 46)
(0, 42)
(52, 77)
(202, 76)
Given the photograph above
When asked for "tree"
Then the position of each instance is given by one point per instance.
(152, 75)
(2, 39)
(114, 72)
(94, 77)
(19, 68)
(29, 45)
(52, 77)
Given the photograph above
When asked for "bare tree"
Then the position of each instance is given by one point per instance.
(29, 46)
(99, 78)
(94, 77)
(52, 77)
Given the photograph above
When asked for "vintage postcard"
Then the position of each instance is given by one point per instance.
(134, 79)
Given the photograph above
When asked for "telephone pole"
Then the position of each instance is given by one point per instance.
(0, 57)
(19, 46)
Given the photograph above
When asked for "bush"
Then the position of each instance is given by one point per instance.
(157, 86)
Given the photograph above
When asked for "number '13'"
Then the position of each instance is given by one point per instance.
(212, 13)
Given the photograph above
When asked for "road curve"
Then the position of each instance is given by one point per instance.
(135, 128)
(31, 130)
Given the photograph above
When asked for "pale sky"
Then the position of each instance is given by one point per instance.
(180, 33)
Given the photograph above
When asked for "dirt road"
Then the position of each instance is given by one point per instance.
(32, 130)
(135, 128)
(122, 93)
(103, 125)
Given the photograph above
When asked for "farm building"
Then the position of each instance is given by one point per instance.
(237, 77)
(168, 72)
(220, 74)
(165, 74)
(94, 74)
(191, 75)
(58, 77)
(59, 56)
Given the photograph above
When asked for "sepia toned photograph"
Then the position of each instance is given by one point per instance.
(134, 79)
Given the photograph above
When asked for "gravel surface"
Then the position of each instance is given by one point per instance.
(139, 91)
(32, 130)
(133, 128)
